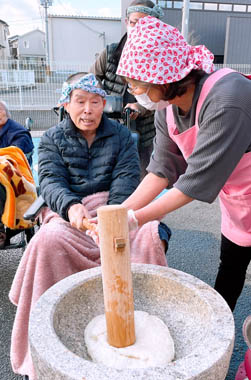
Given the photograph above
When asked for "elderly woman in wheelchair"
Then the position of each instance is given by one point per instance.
(84, 162)
(13, 136)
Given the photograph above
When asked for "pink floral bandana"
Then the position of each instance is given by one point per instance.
(156, 52)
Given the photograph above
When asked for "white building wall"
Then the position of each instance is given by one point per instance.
(32, 44)
(124, 5)
(78, 40)
(4, 32)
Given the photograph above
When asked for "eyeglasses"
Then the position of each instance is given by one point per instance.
(132, 90)
(135, 89)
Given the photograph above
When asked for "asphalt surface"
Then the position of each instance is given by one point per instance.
(194, 248)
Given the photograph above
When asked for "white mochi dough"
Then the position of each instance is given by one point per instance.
(154, 346)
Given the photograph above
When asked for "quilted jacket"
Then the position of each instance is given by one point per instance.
(70, 170)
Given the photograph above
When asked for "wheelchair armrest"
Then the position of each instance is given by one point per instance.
(34, 209)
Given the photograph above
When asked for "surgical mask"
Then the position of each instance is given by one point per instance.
(147, 103)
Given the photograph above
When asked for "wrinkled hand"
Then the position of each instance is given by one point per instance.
(132, 225)
(135, 108)
(93, 234)
(76, 214)
(132, 220)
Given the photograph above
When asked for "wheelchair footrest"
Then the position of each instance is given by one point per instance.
(21, 244)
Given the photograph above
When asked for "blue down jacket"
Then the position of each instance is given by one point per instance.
(13, 133)
(69, 170)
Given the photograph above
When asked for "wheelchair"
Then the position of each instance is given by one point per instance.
(23, 236)
(113, 110)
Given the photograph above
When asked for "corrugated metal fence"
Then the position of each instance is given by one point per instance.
(32, 89)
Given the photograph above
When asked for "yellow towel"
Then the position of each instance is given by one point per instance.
(16, 177)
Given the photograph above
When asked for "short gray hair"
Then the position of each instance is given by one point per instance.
(4, 104)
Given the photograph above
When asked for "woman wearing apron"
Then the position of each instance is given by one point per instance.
(202, 147)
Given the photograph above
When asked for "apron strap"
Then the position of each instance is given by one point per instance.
(207, 86)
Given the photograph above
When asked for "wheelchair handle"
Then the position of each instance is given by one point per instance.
(127, 112)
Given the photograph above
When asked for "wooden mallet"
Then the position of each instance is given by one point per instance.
(116, 275)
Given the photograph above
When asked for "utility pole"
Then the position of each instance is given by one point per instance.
(185, 19)
(46, 4)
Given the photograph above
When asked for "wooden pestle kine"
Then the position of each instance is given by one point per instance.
(116, 275)
(88, 226)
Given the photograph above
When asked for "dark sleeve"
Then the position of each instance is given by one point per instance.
(99, 66)
(223, 138)
(167, 160)
(54, 177)
(23, 140)
(126, 173)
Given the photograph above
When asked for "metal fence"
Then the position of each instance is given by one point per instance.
(32, 89)
(34, 86)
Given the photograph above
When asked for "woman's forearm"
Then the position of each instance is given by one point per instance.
(167, 203)
(147, 190)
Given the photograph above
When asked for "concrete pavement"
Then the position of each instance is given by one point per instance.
(194, 248)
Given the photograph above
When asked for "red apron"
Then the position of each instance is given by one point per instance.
(235, 196)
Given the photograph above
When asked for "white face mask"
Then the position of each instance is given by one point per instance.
(147, 103)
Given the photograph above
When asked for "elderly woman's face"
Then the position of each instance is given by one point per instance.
(133, 18)
(155, 92)
(85, 110)
(3, 116)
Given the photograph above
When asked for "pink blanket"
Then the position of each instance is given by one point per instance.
(56, 251)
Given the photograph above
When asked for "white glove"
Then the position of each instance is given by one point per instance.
(132, 220)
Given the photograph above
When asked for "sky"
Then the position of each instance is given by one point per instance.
(25, 15)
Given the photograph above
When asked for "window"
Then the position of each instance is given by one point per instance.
(225, 7)
(165, 3)
(195, 6)
(168, 4)
(26, 44)
(177, 4)
(218, 59)
(210, 7)
(239, 8)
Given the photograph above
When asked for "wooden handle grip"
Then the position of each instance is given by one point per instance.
(88, 226)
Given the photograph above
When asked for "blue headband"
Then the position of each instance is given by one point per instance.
(87, 83)
(156, 11)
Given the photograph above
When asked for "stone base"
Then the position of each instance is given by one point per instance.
(199, 320)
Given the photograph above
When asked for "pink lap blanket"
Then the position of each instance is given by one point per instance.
(56, 251)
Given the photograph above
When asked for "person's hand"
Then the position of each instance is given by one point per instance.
(76, 214)
(135, 110)
(93, 233)
(132, 220)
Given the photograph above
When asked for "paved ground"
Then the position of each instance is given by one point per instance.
(194, 248)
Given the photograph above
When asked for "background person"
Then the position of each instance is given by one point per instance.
(203, 139)
(84, 162)
(11, 134)
(105, 69)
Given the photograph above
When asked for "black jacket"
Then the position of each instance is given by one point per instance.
(114, 85)
(70, 170)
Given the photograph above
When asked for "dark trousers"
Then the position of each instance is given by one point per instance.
(144, 156)
(234, 261)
